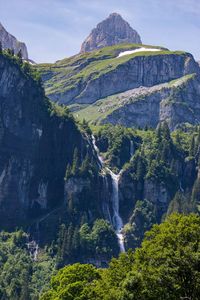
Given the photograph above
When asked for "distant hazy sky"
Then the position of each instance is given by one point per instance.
(54, 29)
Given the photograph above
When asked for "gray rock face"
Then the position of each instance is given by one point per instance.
(114, 30)
(137, 71)
(35, 149)
(175, 103)
(10, 42)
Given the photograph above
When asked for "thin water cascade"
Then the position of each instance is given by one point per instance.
(32, 244)
(131, 148)
(116, 219)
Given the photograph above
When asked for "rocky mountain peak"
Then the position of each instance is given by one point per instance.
(112, 31)
(9, 41)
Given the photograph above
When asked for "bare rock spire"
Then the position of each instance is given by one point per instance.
(113, 30)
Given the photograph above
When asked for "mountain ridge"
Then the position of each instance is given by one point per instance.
(111, 31)
(10, 42)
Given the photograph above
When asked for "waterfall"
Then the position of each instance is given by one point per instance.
(32, 244)
(116, 220)
(131, 148)
(101, 162)
(105, 205)
(181, 188)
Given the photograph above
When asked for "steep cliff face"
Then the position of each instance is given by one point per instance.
(10, 42)
(102, 76)
(112, 31)
(37, 141)
(136, 72)
(176, 103)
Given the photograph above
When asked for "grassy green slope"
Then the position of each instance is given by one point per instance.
(68, 73)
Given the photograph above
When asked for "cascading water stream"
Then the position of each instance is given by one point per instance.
(116, 219)
(131, 148)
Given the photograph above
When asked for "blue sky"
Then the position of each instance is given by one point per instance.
(54, 29)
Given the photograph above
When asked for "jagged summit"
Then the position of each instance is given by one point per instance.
(9, 41)
(113, 30)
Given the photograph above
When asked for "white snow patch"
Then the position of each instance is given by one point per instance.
(138, 50)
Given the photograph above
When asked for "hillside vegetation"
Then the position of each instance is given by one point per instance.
(166, 267)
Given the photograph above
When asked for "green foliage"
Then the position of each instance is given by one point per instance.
(165, 267)
(96, 240)
(75, 163)
(72, 283)
(87, 168)
(68, 244)
(27, 69)
(60, 111)
(114, 142)
(67, 74)
(100, 239)
(168, 262)
(20, 277)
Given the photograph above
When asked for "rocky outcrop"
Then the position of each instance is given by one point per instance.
(175, 103)
(8, 41)
(112, 31)
(37, 142)
(148, 70)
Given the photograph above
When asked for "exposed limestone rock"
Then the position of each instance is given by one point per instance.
(35, 148)
(113, 30)
(176, 103)
(10, 42)
(135, 72)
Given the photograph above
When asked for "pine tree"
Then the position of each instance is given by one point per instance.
(140, 171)
(196, 191)
(166, 132)
(68, 172)
(68, 246)
(75, 164)
(159, 133)
(19, 55)
(1, 47)
(192, 147)
(9, 51)
(85, 166)
(178, 140)
(76, 241)
(61, 236)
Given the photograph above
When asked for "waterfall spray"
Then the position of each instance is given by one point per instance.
(131, 148)
(116, 221)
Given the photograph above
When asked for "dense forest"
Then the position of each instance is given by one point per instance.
(166, 266)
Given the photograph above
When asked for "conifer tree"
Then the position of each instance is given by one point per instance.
(75, 163)
(192, 147)
(19, 55)
(85, 166)
(159, 132)
(9, 51)
(166, 132)
(140, 171)
(68, 172)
